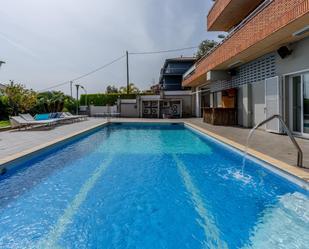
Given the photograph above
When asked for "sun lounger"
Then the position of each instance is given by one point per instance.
(28, 117)
(19, 122)
(56, 116)
(77, 117)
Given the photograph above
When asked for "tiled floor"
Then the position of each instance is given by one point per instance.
(12, 142)
(276, 146)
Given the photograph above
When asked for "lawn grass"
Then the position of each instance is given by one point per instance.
(4, 123)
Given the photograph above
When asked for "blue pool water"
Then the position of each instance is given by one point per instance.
(149, 186)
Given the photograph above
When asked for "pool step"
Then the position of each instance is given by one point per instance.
(283, 225)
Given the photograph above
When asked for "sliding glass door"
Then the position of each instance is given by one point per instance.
(306, 103)
(300, 104)
(296, 102)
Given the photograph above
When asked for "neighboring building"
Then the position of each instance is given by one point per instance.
(172, 72)
(169, 99)
(169, 104)
(2, 88)
(261, 68)
(155, 89)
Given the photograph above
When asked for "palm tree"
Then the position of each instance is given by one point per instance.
(51, 101)
(132, 89)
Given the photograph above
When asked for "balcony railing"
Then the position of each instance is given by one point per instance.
(238, 27)
(253, 36)
(189, 72)
(219, 17)
(178, 70)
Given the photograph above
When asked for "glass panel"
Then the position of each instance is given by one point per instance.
(205, 99)
(219, 99)
(306, 103)
(296, 83)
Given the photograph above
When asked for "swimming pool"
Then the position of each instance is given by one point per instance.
(149, 186)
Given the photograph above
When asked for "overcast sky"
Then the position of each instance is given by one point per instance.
(45, 42)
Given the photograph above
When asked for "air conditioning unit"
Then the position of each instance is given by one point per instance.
(166, 104)
(147, 111)
(147, 103)
(154, 104)
(154, 111)
(175, 109)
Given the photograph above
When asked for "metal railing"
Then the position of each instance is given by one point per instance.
(189, 71)
(234, 30)
(289, 133)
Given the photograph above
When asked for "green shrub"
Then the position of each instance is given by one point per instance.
(69, 105)
(4, 108)
(20, 99)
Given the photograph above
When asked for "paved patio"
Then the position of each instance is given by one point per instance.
(277, 146)
(13, 141)
(273, 145)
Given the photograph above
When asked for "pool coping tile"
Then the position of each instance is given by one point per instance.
(279, 165)
(287, 168)
(27, 152)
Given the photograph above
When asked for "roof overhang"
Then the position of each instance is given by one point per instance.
(272, 42)
(226, 14)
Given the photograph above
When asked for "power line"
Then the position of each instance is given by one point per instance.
(164, 51)
(115, 60)
(84, 75)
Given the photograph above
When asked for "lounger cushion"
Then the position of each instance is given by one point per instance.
(44, 116)
(53, 115)
(57, 115)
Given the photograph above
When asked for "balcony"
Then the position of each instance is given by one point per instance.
(175, 71)
(226, 14)
(269, 27)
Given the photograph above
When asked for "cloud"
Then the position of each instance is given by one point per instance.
(69, 38)
(17, 45)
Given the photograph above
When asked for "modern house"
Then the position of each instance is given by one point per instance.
(172, 72)
(261, 68)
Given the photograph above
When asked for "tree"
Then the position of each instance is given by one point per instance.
(4, 107)
(111, 89)
(50, 101)
(132, 89)
(69, 104)
(205, 47)
(20, 99)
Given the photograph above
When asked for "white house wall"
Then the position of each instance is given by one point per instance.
(258, 102)
(297, 61)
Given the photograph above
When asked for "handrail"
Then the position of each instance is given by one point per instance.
(289, 133)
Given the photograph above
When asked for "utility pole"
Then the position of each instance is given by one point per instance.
(86, 102)
(71, 86)
(128, 75)
(77, 87)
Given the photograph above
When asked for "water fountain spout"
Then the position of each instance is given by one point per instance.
(288, 132)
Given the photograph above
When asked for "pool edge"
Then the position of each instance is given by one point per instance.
(23, 155)
(289, 172)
